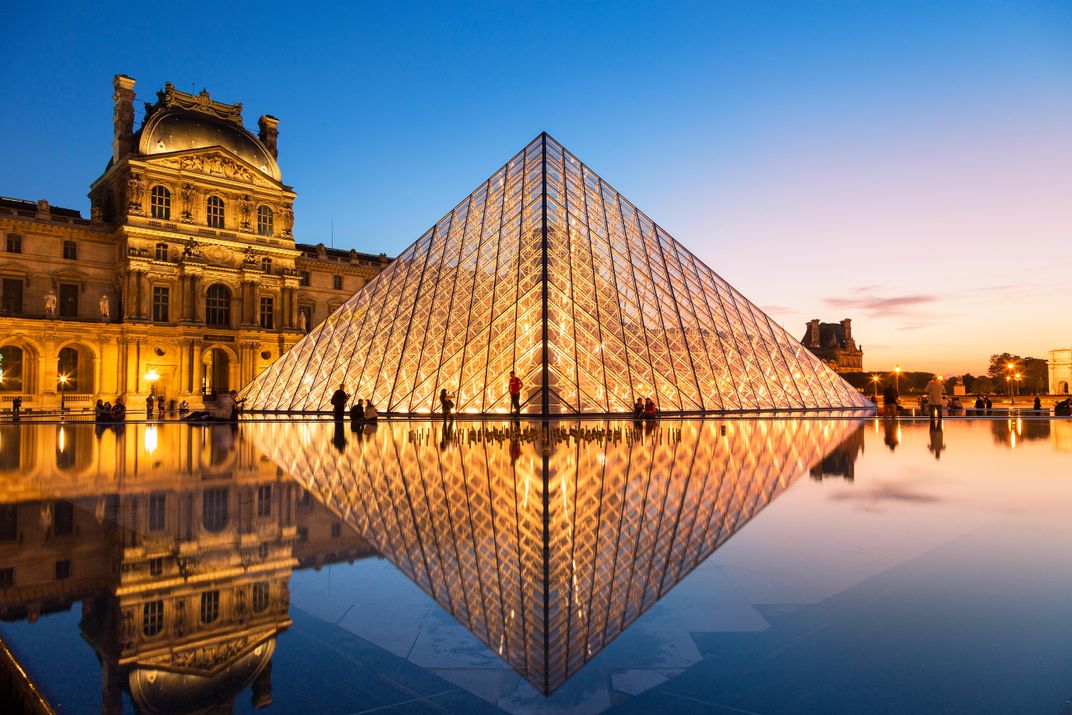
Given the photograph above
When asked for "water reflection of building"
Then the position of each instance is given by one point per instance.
(547, 550)
(179, 544)
(841, 461)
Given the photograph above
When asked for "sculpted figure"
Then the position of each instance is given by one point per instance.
(105, 309)
(302, 323)
(51, 302)
(135, 191)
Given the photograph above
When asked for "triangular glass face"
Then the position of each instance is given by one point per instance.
(546, 270)
(547, 543)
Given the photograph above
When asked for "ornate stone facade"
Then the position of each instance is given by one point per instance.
(185, 279)
(833, 344)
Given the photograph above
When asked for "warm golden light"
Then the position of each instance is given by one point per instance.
(152, 376)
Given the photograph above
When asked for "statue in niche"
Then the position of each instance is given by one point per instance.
(303, 324)
(246, 206)
(51, 303)
(95, 214)
(288, 220)
(105, 309)
(186, 193)
(135, 191)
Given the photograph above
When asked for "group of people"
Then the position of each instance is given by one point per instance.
(160, 404)
(362, 411)
(107, 412)
(645, 410)
(224, 409)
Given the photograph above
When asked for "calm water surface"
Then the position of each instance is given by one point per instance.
(791, 565)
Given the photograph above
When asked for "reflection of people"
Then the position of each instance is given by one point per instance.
(515, 448)
(338, 403)
(891, 433)
(937, 443)
(339, 439)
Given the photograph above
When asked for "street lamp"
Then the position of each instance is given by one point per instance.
(63, 394)
(897, 379)
(875, 379)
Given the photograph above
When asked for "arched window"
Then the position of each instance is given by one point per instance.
(67, 370)
(218, 306)
(214, 516)
(214, 212)
(11, 369)
(266, 264)
(161, 252)
(160, 202)
(264, 221)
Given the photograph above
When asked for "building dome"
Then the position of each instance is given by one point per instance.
(181, 130)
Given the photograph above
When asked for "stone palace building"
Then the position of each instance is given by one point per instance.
(834, 345)
(1060, 371)
(185, 279)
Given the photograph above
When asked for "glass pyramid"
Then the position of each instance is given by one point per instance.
(548, 271)
(546, 544)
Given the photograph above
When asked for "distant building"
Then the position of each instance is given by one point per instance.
(833, 344)
(1061, 371)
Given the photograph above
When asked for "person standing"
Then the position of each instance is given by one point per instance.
(889, 400)
(515, 393)
(934, 395)
(446, 404)
(16, 407)
(150, 403)
(338, 403)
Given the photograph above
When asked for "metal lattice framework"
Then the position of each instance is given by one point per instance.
(546, 270)
(621, 521)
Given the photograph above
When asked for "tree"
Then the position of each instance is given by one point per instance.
(982, 385)
(999, 365)
(1036, 375)
(967, 379)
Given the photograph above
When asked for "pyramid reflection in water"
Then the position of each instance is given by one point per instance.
(545, 269)
(621, 521)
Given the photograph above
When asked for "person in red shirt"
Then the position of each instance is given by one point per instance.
(515, 393)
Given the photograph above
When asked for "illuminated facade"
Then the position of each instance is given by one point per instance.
(622, 517)
(1060, 365)
(185, 279)
(546, 270)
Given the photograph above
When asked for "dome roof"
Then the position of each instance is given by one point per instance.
(181, 130)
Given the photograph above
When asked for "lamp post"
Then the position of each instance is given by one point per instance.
(897, 379)
(874, 381)
(63, 393)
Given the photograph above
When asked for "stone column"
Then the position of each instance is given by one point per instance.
(143, 295)
(195, 296)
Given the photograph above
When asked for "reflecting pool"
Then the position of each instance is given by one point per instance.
(778, 565)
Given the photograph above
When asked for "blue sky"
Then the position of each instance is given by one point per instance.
(906, 164)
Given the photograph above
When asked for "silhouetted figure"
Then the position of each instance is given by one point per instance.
(889, 400)
(988, 404)
(650, 410)
(891, 434)
(446, 404)
(638, 409)
(937, 443)
(160, 405)
(515, 393)
(1063, 408)
(1038, 403)
(99, 411)
(935, 399)
(150, 403)
(980, 405)
(16, 407)
(357, 413)
(338, 403)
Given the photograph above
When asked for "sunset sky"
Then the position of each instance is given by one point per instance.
(904, 164)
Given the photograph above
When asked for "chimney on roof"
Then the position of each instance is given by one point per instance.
(813, 334)
(270, 133)
(846, 326)
(123, 116)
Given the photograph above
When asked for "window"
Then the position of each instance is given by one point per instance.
(264, 500)
(63, 518)
(70, 251)
(214, 212)
(67, 370)
(210, 606)
(214, 512)
(264, 221)
(218, 305)
(14, 243)
(63, 569)
(7, 577)
(156, 566)
(12, 298)
(260, 597)
(303, 279)
(157, 511)
(9, 522)
(152, 618)
(160, 203)
(303, 534)
(307, 312)
(10, 369)
(161, 251)
(68, 300)
(336, 529)
(336, 282)
(266, 264)
(161, 297)
(267, 309)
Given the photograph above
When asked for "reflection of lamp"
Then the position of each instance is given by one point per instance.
(150, 439)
